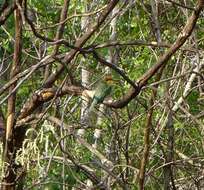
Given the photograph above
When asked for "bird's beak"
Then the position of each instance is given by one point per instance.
(113, 81)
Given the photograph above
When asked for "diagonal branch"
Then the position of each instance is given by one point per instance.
(6, 12)
(45, 95)
(116, 69)
(182, 37)
(81, 41)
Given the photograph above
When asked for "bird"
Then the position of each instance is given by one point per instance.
(102, 90)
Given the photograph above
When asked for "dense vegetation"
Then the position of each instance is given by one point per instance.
(147, 133)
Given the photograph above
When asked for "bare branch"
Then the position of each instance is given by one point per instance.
(6, 12)
(182, 37)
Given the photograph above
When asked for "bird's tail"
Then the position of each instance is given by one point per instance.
(87, 115)
(92, 106)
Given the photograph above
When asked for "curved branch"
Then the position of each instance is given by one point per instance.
(134, 43)
(182, 37)
(6, 12)
(115, 68)
(45, 95)
(82, 40)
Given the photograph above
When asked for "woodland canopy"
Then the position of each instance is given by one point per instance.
(102, 94)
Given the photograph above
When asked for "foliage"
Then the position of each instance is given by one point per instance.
(61, 151)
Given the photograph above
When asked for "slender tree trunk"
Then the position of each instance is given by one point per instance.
(85, 74)
(168, 171)
(147, 129)
(113, 58)
(168, 168)
(9, 150)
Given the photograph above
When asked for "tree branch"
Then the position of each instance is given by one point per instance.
(182, 37)
(81, 41)
(6, 12)
(45, 95)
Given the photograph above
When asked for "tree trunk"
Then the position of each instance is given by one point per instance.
(9, 180)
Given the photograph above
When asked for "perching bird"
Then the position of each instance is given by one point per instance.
(102, 90)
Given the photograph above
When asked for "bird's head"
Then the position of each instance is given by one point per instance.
(108, 78)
